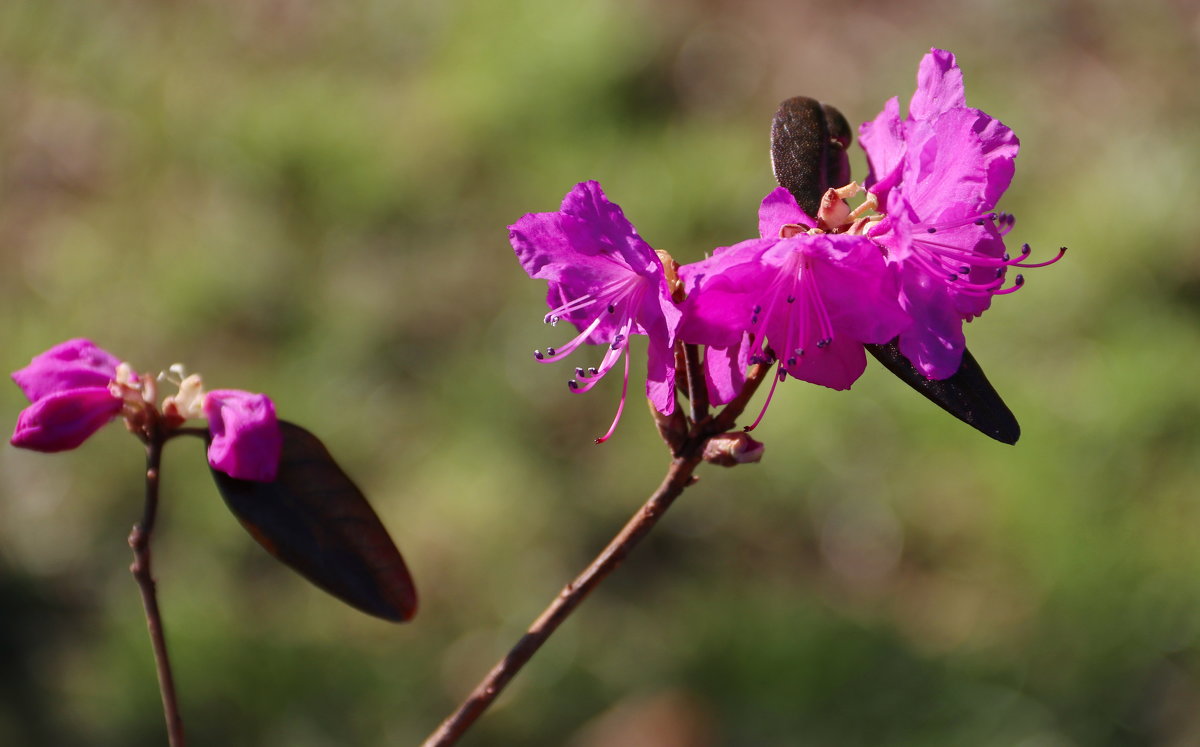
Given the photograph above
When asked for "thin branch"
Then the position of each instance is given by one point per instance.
(139, 542)
(678, 477)
(687, 457)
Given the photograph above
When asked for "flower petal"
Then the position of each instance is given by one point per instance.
(725, 371)
(246, 442)
(883, 140)
(952, 169)
(73, 364)
(935, 342)
(779, 208)
(939, 86)
(63, 420)
(587, 249)
(722, 291)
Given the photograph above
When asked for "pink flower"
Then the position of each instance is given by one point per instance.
(75, 388)
(68, 386)
(938, 175)
(808, 300)
(608, 282)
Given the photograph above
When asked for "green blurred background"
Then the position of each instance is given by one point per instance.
(310, 199)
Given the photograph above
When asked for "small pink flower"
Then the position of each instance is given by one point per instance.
(63, 420)
(75, 388)
(68, 386)
(607, 281)
(806, 300)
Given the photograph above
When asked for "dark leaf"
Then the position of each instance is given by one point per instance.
(967, 395)
(808, 150)
(808, 154)
(314, 519)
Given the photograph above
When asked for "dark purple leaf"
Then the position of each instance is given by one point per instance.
(316, 520)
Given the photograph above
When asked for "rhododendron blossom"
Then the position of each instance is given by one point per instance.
(800, 296)
(75, 388)
(937, 176)
(608, 282)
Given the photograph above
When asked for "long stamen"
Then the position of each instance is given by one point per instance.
(1061, 251)
(966, 286)
(978, 219)
(926, 262)
(557, 354)
(780, 375)
(620, 407)
(1017, 283)
(585, 383)
(606, 294)
(953, 252)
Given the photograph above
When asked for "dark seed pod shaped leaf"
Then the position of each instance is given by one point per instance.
(808, 155)
(314, 519)
(837, 159)
(967, 395)
(808, 150)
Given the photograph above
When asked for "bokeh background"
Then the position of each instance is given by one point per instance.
(310, 199)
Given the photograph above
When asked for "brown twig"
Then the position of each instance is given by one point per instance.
(678, 477)
(687, 456)
(139, 542)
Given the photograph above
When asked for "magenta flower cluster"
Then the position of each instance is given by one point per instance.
(923, 253)
(75, 388)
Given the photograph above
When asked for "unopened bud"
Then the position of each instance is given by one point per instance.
(729, 449)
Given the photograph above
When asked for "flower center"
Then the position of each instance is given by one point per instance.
(836, 216)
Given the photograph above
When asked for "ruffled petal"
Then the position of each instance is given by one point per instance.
(586, 250)
(73, 364)
(659, 319)
(63, 420)
(246, 442)
(952, 170)
(939, 86)
(883, 140)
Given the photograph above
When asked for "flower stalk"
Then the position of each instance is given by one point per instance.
(686, 456)
(139, 542)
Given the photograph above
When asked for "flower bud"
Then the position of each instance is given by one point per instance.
(246, 442)
(730, 449)
(73, 364)
(63, 420)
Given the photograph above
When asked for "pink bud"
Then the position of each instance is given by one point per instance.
(74, 364)
(63, 420)
(246, 443)
(729, 449)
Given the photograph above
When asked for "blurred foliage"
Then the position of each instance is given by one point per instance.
(309, 199)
